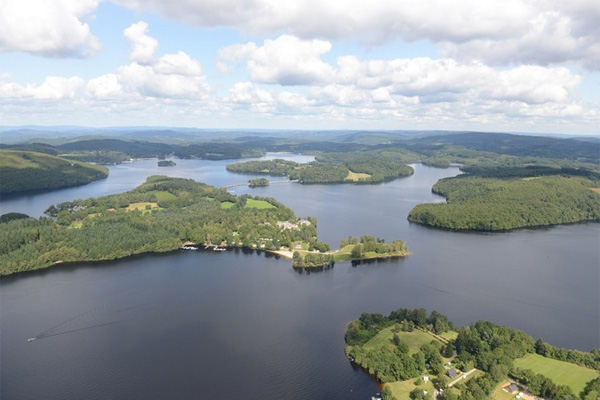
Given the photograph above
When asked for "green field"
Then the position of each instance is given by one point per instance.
(227, 204)
(162, 195)
(401, 389)
(344, 254)
(260, 204)
(414, 339)
(562, 373)
(450, 335)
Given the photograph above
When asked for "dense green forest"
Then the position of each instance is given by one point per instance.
(23, 170)
(160, 215)
(258, 182)
(331, 168)
(409, 344)
(275, 167)
(490, 204)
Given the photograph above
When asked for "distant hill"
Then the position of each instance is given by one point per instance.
(26, 170)
(522, 146)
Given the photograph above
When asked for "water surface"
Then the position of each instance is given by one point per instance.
(235, 325)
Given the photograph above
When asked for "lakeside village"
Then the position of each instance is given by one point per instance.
(311, 254)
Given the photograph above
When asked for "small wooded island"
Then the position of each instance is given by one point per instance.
(166, 163)
(164, 214)
(420, 356)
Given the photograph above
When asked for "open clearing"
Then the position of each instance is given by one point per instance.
(402, 389)
(561, 372)
(356, 176)
(162, 195)
(141, 206)
(260, 204)
(414, 339)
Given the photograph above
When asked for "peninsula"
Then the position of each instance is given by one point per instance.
(421, 356)
(164, 214)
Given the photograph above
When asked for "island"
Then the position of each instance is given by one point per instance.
(166, 163)
(166, 214)
(420, 356)
(331, 168)
(258, 182)
(23, 171)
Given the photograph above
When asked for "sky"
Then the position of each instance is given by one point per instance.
(478, 65)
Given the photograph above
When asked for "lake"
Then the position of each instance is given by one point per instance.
(245, 325)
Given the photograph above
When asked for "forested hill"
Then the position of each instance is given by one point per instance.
(519, 145)
(493, 204)
(24, 170)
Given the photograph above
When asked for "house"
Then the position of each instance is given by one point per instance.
(425, 378)
(451, 373)
(511, 388)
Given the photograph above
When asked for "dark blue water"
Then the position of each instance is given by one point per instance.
(234, 325)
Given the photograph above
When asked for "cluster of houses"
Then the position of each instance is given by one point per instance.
(290, 225)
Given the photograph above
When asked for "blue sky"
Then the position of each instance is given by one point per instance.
(515, 65)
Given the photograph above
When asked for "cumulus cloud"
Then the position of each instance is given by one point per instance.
(143, 46)
(54, 28)
(171, 76)
(512, 31)
(286, 60)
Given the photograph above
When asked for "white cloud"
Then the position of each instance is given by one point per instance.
(171, 76)
(105, 87)
(143, 46)
(57, 88)
(246, 94)
(286, 60)
(233, 54)
(511, 31)
(53, 28)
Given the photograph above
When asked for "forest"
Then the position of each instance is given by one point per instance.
(409, 344)
(23, 171)
(330, 168)
(494, 204)
(158, 216)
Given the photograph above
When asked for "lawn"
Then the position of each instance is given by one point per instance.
(401, 389)
(414, 339)
(260, 204)
(226, 204)
(162, 195)
(343, 254)
(500, 394)
(450, 335)
(561, 372)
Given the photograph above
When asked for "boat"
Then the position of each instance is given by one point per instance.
(189, 248)
(31, 339)
(219, 248)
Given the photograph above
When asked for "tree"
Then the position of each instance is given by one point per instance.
(448, 350)
(357, 251)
